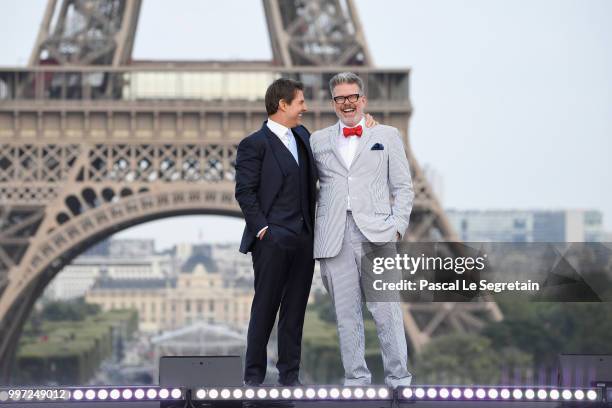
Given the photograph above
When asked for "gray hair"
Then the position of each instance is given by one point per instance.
(346, 78)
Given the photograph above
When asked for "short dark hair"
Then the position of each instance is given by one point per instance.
(284, 89)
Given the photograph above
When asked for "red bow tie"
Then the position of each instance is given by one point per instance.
(357, 131)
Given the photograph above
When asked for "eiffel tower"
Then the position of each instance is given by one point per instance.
(92, 142)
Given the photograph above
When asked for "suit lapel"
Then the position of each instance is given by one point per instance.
(277, 148)
(363, 143)
(306, 144)
(334, 131)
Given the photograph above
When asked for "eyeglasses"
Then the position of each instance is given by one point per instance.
(351, 98)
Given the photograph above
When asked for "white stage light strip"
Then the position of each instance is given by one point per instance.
(89, 394)
(312, 393)
(462, 393)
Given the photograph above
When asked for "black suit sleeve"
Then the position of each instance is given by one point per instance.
(249, 160)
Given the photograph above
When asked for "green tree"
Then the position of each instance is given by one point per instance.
(545, 330)
(461, 358)
(74, 310)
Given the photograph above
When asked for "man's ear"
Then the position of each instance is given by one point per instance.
(365, 101)
(282, 105)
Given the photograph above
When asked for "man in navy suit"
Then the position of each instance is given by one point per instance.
(276, 191)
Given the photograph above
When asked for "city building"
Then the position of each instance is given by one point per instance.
(199, 293)
(527, 225)
(117, 259)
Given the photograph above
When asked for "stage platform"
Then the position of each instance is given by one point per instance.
(305, 396)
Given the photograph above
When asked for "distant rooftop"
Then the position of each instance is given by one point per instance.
(132, 284)
(199, 258)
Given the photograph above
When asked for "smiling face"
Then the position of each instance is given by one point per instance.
(350, 113)
(292, 112)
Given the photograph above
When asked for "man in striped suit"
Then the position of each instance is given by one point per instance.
(365, 196)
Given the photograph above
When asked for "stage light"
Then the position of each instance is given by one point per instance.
(554, 394)
(322, 393)
(334, 393)
(225, 393)
(358, 393)
(310, 393)
(371, 393)
(383, 393)
(274, 393)
(250, 393)
(261, 393)
(346, 393)
(286, 393)
(237, 394)
(213, 393)
(100, 393)
(485, 393)
(77, 395)
(200, 394)
(298, 393)
(591, 395)
(127, 394)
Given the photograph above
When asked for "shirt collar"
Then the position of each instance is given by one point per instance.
(277, 128)
(361, 123)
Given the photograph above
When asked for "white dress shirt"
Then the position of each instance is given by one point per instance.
(348, 147)
(280, 131)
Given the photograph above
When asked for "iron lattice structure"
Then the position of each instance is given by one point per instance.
(87, 32)
(96, 145)
(316, 32)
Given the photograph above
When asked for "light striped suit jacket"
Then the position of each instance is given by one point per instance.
(378, 182)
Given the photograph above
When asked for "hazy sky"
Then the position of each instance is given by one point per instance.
(513, 99)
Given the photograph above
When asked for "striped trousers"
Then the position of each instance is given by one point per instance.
(341, 277)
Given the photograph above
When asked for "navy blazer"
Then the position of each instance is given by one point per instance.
(259, 177)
